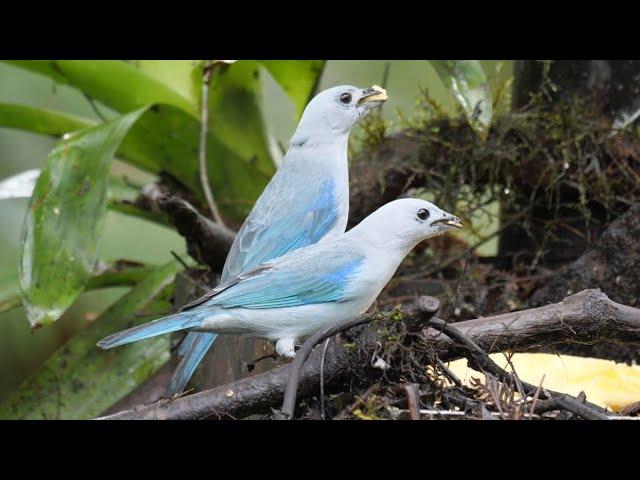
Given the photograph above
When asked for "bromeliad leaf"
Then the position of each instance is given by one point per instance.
(115, 83)
(298, 79)
(122, 273)
(65, 217)
(167, 137)
(40, 120)
(81, 381)
(468, 83)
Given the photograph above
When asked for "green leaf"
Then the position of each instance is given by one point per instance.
(116, 83)
(235, 110)
(166, 139)
(64, 219)
(40, 120)
(468, 83)
(298, 78)
(235, 113)
(122, 273)
(179, 75)
(81, 381)
(119, 274)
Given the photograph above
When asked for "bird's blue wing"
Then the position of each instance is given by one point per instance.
(301, 278)
(285, 218)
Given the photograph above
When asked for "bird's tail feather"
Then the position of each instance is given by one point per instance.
(187, 343)
(194, 347)
(172, 323)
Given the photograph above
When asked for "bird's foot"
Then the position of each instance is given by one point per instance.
(285, 347)
(252, 365)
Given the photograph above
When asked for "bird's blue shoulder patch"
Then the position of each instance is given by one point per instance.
(342, 274)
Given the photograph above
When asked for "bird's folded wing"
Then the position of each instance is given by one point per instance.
(304, 277)
(288, 216)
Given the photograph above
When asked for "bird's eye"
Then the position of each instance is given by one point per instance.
(345, 98)
(423, 214)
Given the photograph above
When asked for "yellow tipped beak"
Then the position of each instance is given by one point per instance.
(373, 94)
(454, 222)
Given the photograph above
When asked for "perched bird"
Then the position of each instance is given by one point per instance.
(311, 288)
(305, 201)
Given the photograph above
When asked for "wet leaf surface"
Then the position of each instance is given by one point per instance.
(64, 220)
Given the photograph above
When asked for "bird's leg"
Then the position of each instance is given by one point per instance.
(285, 347)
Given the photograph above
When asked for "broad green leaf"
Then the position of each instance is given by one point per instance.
(115, 83)
(40, 120)
(179, 75)
(235, 110)
(65, 217)
(468, 83)
(235, 113)
(80, 381)
(166, 139)
(298, 78)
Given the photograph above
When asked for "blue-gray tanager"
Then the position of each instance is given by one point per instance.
(311, 288)
(305, 201)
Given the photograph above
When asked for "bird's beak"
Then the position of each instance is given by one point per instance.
(373, 94)
(449, 222)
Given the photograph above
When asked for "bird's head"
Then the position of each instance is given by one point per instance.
(407, 222)
(336, 110)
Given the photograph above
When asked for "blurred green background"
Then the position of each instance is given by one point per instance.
(128, 237)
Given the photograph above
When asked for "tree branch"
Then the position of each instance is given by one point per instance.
(207, 242)
(587, 317)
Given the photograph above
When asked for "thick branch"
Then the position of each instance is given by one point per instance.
(207, 241)
(587, 317)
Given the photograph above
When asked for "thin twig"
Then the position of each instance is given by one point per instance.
(358, 403)
(463, 274)
(179, 259)
(448, 373)
(204, 125)
(324, 354)
(536, 395)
